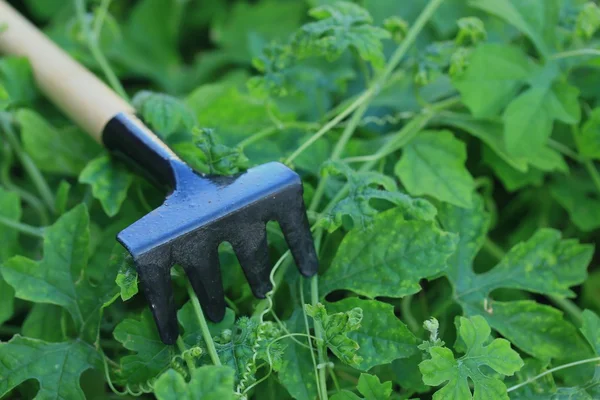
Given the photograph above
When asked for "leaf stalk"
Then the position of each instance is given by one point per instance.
(208, 340)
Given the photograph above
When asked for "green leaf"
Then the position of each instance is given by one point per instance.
(471, 226)
(236, 347)
(591, 329)
(44, 9)
(110, 181)
(372, 262)
(192, 334)
(490, 133)
(497, 355)
(511, 178)
(539, 389)
(56, 366)
(234, 115)
(4, 98)
(545, 264)
(336, 328)
(345, 395)
(535, 19)
(59, 151)
(538, 329)
(16, 76)
(165, 114)
(208, 155)
(308, 84)
(44, 322)
(589, 391)
(127, 277)
(493, 78)
(150, 34)
(382, 337)
(433, 164)
(563, 103)
(10, 208)
(528, 122)
(152, 355)
(529, 118)
(208, 382)
(406, 374)
(578, 195)
(249, 27)
(370, 387)
(547, 159)
(296, 372)
(149, 44)
(61, 277)
(363, 188)
(341, 25)
(588, 20)
(588, 137)
(62, 197)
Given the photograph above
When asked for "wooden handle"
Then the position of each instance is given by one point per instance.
(76, 91)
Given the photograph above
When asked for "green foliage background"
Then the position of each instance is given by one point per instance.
(449, 151)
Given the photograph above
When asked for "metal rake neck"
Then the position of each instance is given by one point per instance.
(131, 140)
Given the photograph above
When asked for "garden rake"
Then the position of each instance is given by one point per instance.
(199, 213)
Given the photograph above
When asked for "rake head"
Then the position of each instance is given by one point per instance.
(204, 211)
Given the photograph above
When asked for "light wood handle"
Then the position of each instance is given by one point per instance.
(83, 97)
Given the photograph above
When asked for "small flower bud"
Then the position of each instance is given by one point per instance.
(397, 27)
(470, 31)
(432, 326)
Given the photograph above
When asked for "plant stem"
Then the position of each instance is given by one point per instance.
(347, 377)
(329, 125)
(561, 148)
(99, 22)
(9, 330)
(27, 197)
(575, 53)
(374, 88)
(337, 151)
(278, 277)
(21, 227)
(312, 353)
(493, 249)
(142, 198)
(570, 307)
(334, 378)
(591, 168)
(271, 130)
(550, 371)
(182, 348)
(411, 36)
(32, 170)
(437, 311)
(314, 293)
(348, 131)
(567, 305)
(409, 131)
(412, 323)
(208, 340)
(93, 46)
(232, 305)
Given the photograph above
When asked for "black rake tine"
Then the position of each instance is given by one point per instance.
(204, 274)
(296, 230)
(252, 252)
(156, 283)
